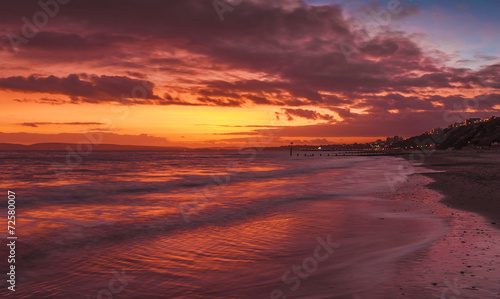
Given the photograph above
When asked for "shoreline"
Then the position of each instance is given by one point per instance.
(468, 180)
(463, 262)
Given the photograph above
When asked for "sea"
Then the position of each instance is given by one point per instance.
(209, 224)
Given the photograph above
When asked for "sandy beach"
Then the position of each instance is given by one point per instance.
(470, 182)
(460, 188)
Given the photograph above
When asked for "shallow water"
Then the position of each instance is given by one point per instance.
(209, 225)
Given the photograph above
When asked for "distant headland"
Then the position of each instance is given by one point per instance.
(473, 133)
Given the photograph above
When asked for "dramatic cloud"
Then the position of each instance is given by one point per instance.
(91, 89)
(294, 60)
(36, 124)
(310, 50)
(307, 114)
(369, 125)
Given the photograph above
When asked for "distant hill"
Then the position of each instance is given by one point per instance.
(12, 147)
(478, 134)
(98, 147)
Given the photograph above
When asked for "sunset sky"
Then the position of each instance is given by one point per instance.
(194, 73)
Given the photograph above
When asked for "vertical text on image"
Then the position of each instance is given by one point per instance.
(11, 239)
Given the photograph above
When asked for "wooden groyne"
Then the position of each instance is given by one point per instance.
(345, 153)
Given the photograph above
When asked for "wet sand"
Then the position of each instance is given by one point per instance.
(470, 182)
(462, 263)
(465, 261)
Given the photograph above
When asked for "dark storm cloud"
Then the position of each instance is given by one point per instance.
(300, 50)
(88, 88)
(37, 124)
(307, 114)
